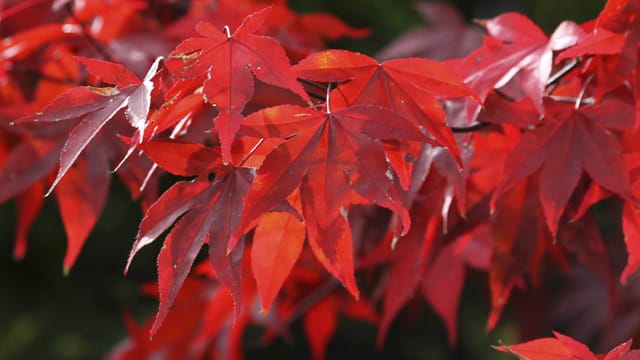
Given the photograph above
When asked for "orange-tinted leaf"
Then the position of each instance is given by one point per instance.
(541, 349)
(277, 243)
(182, 158)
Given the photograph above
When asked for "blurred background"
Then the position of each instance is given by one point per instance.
(45, 315)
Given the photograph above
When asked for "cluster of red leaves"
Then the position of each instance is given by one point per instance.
(563, 347)
(406, 173)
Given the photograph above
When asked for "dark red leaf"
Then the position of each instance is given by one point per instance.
(81, 195)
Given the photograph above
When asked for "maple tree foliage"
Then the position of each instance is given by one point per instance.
(323, 182)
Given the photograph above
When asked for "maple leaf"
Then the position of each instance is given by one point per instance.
(210, 211)
(411, 87)
(327, 155)
(277, 243)
(516, 46)
(563, 347)
(569, 141)
(94, 107)
(228, 60)
(559, 348)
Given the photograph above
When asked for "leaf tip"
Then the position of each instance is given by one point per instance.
(65, 270)
(394, 242)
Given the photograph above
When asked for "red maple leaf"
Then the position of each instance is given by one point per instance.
(277, 244)
(94, 107)
(515, 46)
(227, 61)
(563, 347)
(327, 155)
(206, 212)
(411, 87)
(568, 142)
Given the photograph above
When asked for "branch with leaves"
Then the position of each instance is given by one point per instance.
(391, 178)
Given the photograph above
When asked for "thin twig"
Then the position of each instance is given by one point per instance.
(572, 100)
(583, 91)
(562, 72)
(475, 127)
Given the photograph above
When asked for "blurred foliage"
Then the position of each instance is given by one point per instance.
(45, 315)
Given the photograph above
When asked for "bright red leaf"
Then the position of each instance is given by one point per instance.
(228, 60)
(515, 46)
(320, 157)
(563, 347)
(411, 87)
(277, 243)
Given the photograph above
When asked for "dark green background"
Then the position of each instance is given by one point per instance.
(44, 315)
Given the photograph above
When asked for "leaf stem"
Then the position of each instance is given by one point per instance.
(328, 100)
(472, 128)
(572, 100)
(563, 71)
(582, 91)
